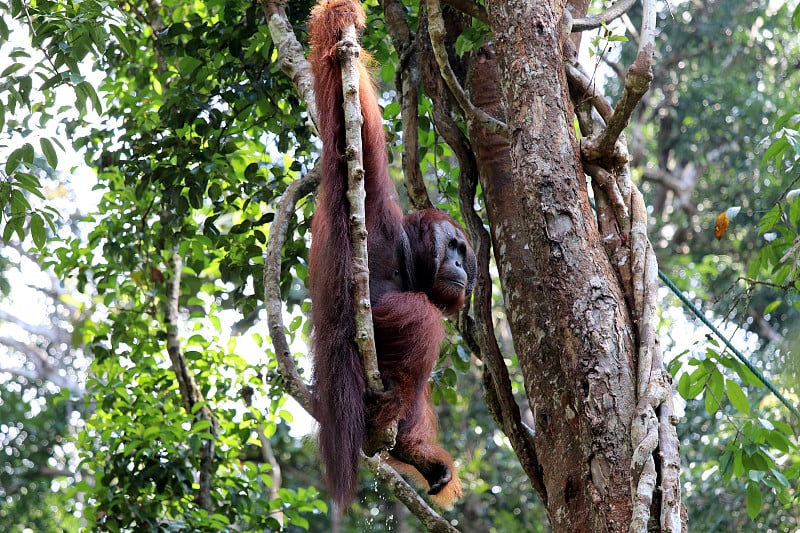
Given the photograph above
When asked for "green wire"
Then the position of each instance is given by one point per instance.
(699, 314)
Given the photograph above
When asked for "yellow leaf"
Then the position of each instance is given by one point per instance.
(721, 225)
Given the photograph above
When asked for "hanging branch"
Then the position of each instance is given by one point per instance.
(348, 51)
(407, 84)
(472, 113)
(190, 392)
(272, 287)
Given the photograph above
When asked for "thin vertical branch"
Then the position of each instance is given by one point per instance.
(348, 51)
(190, 392)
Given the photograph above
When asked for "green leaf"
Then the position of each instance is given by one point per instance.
(19, 204)
(122, 39)
(714, 391)
(779, 441)
(684, 382)
(753, 500)
(49, 152)
(775, 151)
(796, 18)
(388, 72)
(11, 69)
(772, 306)
(30, 183)
(737, 397)
(13, 161)
(14, 224)
(200, 425)
(769, 220)
(391, 110)
(25, 87)
(38, 232)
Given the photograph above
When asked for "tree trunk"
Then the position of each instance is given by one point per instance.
(572, 329)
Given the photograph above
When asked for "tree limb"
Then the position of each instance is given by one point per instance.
(407, 83)
(473, 9)
(472, 113)
(431, 520)
(293, 383)
(43, 369)
(348, 51)
(637, 82)
(190, 392)
(595, 21)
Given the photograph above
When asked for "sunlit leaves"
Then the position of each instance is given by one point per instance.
(753, 454)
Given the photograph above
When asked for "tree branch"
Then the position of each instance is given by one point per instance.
(290, 54)
(190, 392)
(348, 51)
(595, 21)
(473, 9)
(472, 113)
(407, 83)
(293, 383)
(52, 335)
(43, 369)
(431, 520)
(637, 82)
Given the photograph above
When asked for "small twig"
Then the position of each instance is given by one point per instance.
(588, 89)
(782, 286)
(431, 520)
